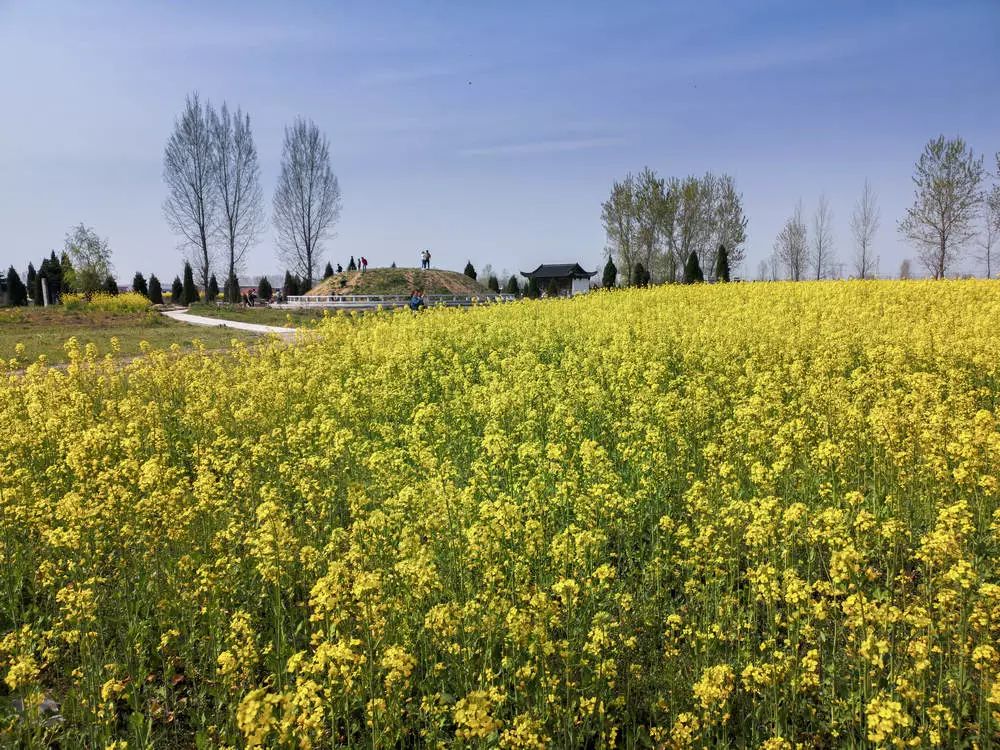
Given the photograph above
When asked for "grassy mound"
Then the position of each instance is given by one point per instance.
(399, 281)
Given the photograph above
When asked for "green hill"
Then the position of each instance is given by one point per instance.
(399, 281)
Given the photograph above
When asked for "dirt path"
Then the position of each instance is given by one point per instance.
(199, 320)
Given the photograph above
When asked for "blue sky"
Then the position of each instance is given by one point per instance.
(489, 132)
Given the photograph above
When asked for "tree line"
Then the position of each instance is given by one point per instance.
(215, 203)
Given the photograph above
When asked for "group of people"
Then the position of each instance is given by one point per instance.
(425, 258)
(249, 298)
(417, 300)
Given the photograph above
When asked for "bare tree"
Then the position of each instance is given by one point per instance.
(621, 225)
(904, 269)
(241, 200)
(945, 207)
(864, 224)
(192, 188)
(306, 200)
(762, 270)
(730, 222)
(792, 245)
(991, 231)
(653, 208)
(822, 251)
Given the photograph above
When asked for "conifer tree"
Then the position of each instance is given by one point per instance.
(190, 292)
(512, 286)
(264, 290)
(68, 273)
(139, 284)
(640, 277)
(610, 274)
(328, 271)
(177, 291)
(352, 266)
(213, 289)
(111, 286)
(552, 290)
(469, 270)
(17, 293)
(155, 290)
(722, 264)
(29, 282)
(291, 287)
(533, 292)
(692, 270)
(493, 284)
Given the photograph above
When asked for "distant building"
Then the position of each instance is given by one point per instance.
(570, 278)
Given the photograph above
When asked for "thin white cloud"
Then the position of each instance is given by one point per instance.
(554, 145)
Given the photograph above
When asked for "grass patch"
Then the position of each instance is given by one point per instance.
(44, 330)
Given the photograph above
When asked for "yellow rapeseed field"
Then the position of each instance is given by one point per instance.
(759, 515)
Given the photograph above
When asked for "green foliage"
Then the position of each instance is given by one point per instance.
(231, 289)
(139, 284)
(111, 286)
(692, 270)
(17, 292)
(213, 289)
(30, 279)
(532, 291)
(493, 283)
(552, 289)
(91, 258)
(469, 270)
(640, 275)
(512, 286)
(68, 273)
(610, 274)
(177, 291)
(722, 264)
(264, 289)
(155, 291)
(190, 292)
(291, 285)
(352, 266)
(328, 271)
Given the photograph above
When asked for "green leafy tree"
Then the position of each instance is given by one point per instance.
(532, 291)
(692, 270)
(213, 289)
(493, 283)
(177, 291)
(512, 286)
(111, 286)
(231, 289)
(190, 293)
(68, 273)
(91, 258)
(155, 291)
(328, 271)
(722, 264)
(469, 270)
(139, 284)
(17, 292)
(264, 289)
(610, 274)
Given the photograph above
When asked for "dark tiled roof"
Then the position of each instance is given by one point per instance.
(559, 271)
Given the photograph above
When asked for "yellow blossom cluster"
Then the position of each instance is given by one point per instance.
(750, 515)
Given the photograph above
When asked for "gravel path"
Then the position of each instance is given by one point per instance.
(200, 320)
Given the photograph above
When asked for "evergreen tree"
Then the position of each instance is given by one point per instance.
(190, 292)
(393, 264)
(17, 292)
(231, 289)
(68, 273)
(155, 291)
(111, 286)
(552, 290)
(352, 266)
(493, 284)
(532, 291)
(264, 290)
(139, 284)
(328, 272)
(512, 286)
(692, 270)
(29, 281)
(469, 270)
(213, 289)
(291, 287)
(639, 277)
(610, 274)
(176, 291)
(53, 273)
(722, 264)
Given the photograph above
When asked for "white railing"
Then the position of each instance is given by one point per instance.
(370, 301)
